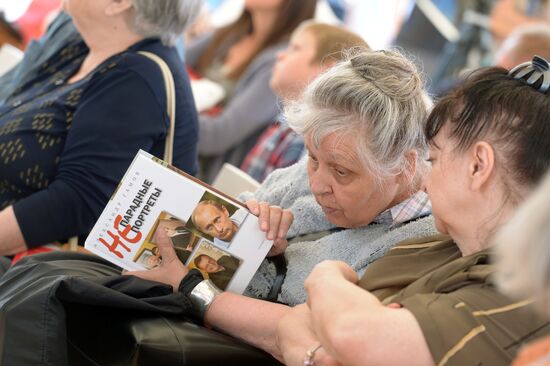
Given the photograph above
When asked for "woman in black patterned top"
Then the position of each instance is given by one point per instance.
(69, 133)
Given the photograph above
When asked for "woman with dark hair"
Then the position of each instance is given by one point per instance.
(240, 58)
(434, 298)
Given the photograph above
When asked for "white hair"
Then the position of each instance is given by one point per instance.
(166, 19)
(376, 96)
(522, 250)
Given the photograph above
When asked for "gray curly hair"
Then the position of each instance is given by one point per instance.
(166, 19)
(376, 96)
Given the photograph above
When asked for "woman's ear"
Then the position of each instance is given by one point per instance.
(481, 165)
(409, 173)
(116, 7)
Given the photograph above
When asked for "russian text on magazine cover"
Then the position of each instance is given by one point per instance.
(156, 204)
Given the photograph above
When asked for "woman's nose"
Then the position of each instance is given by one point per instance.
(319, 183)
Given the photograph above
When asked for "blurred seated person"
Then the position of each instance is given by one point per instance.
(523, 259)
(524, 42)
(240, 57)
(435, 297)
(313, 48)
(507, 15)
(518, 47)
(69, 132)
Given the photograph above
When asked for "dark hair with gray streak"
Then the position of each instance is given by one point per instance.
(514, 117)
(166, 19)
(376, 96)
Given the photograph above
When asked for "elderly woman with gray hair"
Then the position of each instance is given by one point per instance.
(356, 195)
(69, 132)
(358, 192)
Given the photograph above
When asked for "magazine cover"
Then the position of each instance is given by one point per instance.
(157, 203)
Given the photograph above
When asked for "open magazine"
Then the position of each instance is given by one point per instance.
(156, 203)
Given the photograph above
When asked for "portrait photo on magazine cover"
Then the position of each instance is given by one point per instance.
(168, 229)
(216, 220)
(214, 263)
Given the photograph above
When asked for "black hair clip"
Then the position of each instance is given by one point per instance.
(536, 73)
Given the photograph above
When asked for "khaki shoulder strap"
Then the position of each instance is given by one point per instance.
(170, 102)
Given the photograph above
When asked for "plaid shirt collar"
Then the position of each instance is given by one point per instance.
(414, 207)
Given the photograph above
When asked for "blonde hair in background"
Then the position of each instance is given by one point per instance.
(522, 250)
(331, 41)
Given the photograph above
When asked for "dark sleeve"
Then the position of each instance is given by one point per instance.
(475, 325)
(117, 116)
(191, 279)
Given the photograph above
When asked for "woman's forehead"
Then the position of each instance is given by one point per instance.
(442, 139)
(336, 147)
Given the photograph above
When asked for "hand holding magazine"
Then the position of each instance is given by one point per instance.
(156, 205)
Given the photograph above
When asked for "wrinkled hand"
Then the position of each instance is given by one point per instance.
(170, 271)
(327, 271)
(274, 221)
(295, 336)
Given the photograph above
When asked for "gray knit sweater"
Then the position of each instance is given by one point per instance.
(359, 247)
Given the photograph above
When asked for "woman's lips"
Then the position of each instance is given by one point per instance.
(328, 210)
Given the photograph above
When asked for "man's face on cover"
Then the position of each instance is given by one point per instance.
(215, 222)
(209, 264)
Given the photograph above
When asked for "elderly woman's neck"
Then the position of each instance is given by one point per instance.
(486, 219)
(103, 44)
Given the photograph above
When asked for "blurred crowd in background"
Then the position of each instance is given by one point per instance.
(447, 36)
